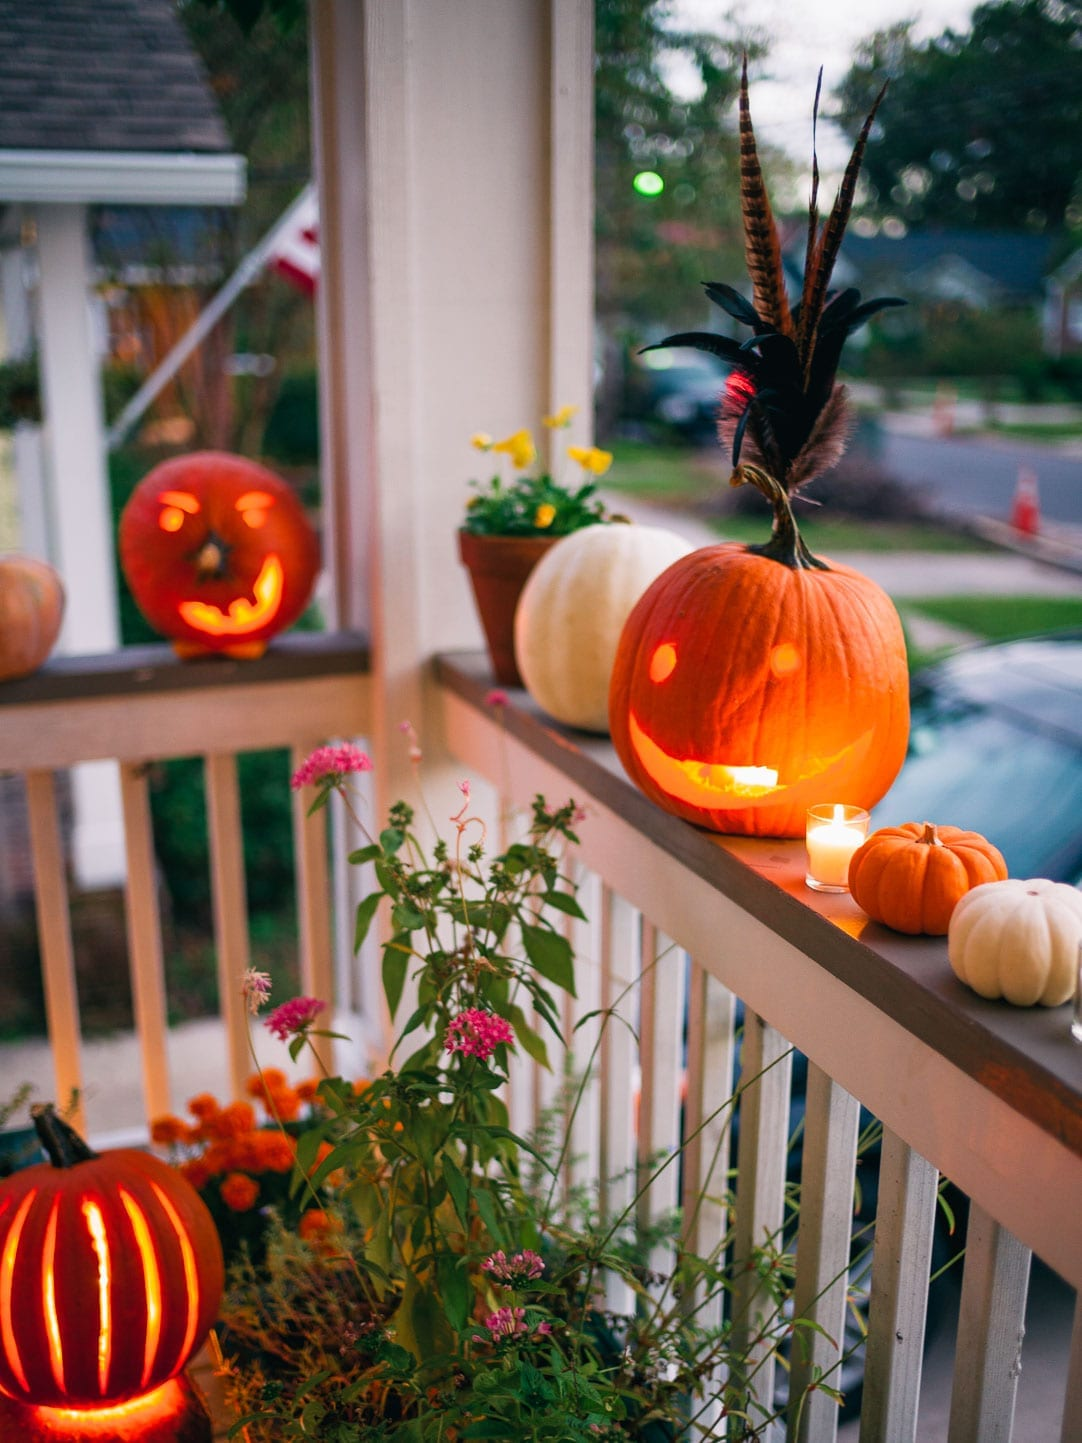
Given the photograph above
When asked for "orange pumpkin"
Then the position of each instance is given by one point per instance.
(31, 610)
(912, 877)
(218, 553)
(752, 682)
(110, 1274)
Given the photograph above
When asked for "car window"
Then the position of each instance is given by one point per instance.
(975, 769)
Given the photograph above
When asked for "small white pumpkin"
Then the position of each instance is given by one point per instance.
(572, 611)
(1018, 940)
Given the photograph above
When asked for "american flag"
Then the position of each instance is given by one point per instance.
(295, 249)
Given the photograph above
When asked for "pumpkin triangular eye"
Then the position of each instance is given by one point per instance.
(175, 506)
(253, 506)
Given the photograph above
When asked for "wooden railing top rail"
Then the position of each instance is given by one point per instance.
(141, 703)
(1025, 1057)
(141, 670)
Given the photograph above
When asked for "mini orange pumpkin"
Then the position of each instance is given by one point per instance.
(110, 1274)
(218, 553)
(912, 877)
(31, 610)
(750, 682)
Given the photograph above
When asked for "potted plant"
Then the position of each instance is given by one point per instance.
(510, 524)
(450, 1290)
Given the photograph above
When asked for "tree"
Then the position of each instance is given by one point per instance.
(981, 129)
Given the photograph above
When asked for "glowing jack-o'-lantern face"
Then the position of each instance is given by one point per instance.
(745, 691)
(110, 1275)
(218, 553)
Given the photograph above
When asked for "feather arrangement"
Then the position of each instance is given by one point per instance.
(782, 408)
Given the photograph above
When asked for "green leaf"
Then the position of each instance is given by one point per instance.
(532, 1043)
(396, 958)
(550, 955)
(365, 854)
(386, 879)
(564, 902)
(406, 918)
(457, 1186)
(487, 1208)
(420, 1324)
(366, 910)
(454, 1289)
(390, 839)
(486, 1428)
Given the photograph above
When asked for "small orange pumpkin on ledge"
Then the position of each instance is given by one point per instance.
(912, 877)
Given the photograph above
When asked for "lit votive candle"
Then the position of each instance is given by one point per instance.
(834, 832)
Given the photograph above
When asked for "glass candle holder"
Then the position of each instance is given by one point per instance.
(1076, 1005)
(833, 833)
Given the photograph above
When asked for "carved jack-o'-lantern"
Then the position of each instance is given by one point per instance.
(110, 1276)
(218, 553)
(753, 682)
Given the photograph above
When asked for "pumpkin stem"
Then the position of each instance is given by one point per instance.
(786, 543)
(210, 559)
(931, 836)
(63, 1145)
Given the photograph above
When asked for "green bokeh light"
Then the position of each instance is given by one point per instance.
(648, 182)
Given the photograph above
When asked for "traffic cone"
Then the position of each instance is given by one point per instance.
(1025, 508)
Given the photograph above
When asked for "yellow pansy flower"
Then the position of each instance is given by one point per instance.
(519, 447)
(545, 515)
(561, 418)
(591, 459)
(481, 441)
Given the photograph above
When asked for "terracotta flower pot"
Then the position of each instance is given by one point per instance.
(498, 568)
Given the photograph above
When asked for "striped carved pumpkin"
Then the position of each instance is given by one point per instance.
(110, 1274)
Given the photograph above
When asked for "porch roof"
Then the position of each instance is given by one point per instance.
(105, 100)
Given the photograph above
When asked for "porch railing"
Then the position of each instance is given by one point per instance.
(980, 1093)
(691, 928)
(140, 706)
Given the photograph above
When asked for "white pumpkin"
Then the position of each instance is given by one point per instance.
(572, 611)
(1018, 940)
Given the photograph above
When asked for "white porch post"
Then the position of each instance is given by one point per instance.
(454, 148)
(80, 523)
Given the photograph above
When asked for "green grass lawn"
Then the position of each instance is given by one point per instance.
(999, 618)
(682, 477)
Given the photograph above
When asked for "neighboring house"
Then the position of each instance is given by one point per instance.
(980, 269)
(102, 102)
(1063, 308)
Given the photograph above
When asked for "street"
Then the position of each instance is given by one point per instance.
(977, 477)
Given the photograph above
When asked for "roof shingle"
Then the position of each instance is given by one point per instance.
(102, 75)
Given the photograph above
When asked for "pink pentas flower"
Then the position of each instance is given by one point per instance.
(520, 1267)
(496, 698)
(293, 1018)
(331, 764)
(255, 988)
(506, 1322)
(477, 1033)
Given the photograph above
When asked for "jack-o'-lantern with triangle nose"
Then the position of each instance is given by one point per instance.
(752, 682)
(218, 553)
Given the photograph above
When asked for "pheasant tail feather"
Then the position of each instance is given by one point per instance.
(762, 249)
(817, 275)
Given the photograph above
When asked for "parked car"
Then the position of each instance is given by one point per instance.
(680, 387)
(996, 746)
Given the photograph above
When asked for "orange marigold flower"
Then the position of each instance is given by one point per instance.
(260, 1083)
(276, 1152)
(203, 1106)
(361, 1084)
(285, 1103)
(307, 1089)
(232, 1121)
(239, 1191)
(196, 1172)
(167, 1130)
(316, 1226)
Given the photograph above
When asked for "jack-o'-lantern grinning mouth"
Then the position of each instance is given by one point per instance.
(715, 786)
(243, 616)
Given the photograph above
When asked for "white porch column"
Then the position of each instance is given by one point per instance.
(79, 519)
(454, 147)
